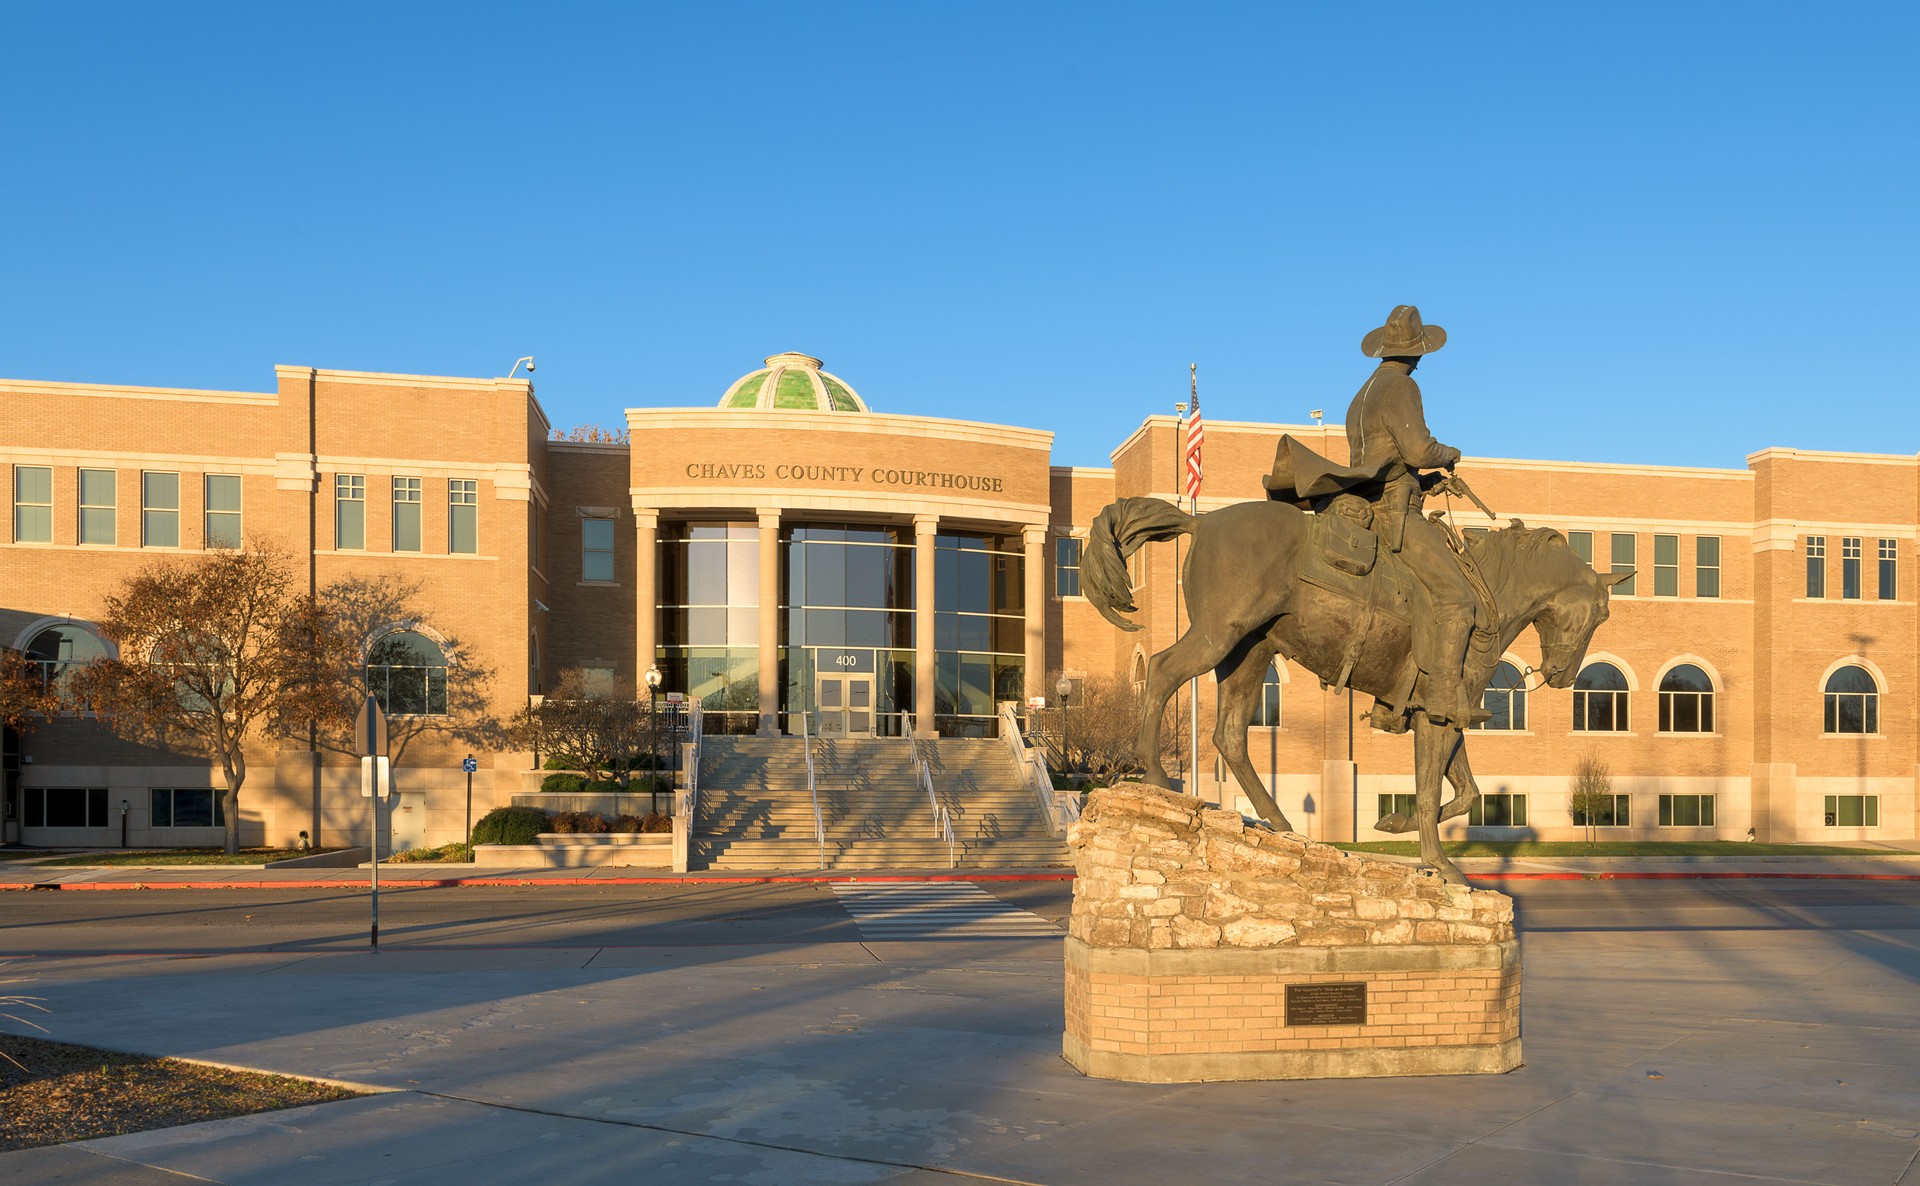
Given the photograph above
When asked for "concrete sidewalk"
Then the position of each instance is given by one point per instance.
(1771, 1053)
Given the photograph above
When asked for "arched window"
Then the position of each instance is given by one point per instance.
(1600, 699)
(1505, 698)
(1686, 701)
(1266, 714)
(407, 674)
(1853, 701)
(1139, 676)
(58, 650)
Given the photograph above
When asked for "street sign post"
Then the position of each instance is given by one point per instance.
(370, 730)
(469, 765)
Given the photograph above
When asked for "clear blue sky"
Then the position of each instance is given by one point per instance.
(1657, 232)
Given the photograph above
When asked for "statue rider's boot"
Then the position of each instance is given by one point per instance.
(1454, 702)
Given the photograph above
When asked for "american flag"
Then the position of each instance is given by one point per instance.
(1196, 434)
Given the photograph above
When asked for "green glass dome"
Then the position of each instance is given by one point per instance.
(793, 381)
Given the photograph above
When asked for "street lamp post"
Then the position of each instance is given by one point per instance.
(653, 738)
(1065, 688)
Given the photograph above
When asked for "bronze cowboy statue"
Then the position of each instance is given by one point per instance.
(1390, 445)
(1338, 571)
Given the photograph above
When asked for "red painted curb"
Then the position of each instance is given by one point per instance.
(520, 882)
(1701, 876)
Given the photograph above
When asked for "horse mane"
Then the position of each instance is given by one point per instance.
(1505, 550)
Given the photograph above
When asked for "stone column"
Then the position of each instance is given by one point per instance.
(925, 527)
(769, 621)
(1035, 539)
(646, 593)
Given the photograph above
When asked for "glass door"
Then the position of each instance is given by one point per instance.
(846, 705)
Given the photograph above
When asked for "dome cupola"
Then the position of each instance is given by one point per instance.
(792, 380)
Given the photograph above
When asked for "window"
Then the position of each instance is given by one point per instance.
(1396, 805)
(1582, 544)
(1666, 566)
(350, 511)
(159, 510)
(1600, 699)
(1853, 701)
(187, 807)
(98, 488)
(33, 504)
(1686, 811)
(1266, 714)
(533, 537)
(66, 807)
(223, 510)
(1889, 569)
(463, 516)
(1853, 811)
(596, 550)
(1706, 566)
(1686, 701)
(1066, 567)
(1816, 566)
(1499, 810)
(406, 514)
(1850, 567)
(1506, 699)
(58, 650)
(1609, 811)
(407, 674)
(1623, 548)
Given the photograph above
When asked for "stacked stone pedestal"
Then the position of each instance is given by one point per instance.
(1202, 947)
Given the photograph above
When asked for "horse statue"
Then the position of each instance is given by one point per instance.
(1267, 577)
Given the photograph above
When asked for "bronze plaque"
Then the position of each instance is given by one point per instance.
(1327, 1004)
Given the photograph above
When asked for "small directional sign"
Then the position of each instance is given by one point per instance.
(370, 730)
(676, 697)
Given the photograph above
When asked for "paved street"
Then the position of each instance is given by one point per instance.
(1675, 1032)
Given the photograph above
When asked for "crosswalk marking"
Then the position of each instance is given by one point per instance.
(937, 910)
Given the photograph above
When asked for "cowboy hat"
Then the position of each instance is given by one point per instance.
(1403, 335)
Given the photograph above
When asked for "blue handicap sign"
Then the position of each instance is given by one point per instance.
(469, 765)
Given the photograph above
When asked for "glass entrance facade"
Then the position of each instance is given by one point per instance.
(848, 609)
(979, 630)
(709, 604)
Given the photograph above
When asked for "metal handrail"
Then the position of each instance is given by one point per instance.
(1061, 808)
(813, 791)
(942, 817)
(696, 732)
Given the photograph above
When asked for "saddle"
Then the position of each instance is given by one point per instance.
(1346, 560)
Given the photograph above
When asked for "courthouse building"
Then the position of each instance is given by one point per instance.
(782, 549)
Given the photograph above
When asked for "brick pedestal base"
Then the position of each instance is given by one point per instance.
(1186, 1016)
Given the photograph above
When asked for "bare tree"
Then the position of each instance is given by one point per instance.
(27, 697)
(1100, 724)
(585, 726)
(358, 631)
(210, 650)
(1592, 794)
(594, 434)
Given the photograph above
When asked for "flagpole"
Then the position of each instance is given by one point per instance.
(1193, 689)
(1179, 475)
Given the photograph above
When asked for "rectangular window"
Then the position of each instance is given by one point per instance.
(1623, 548)
(98, 491)
(596, 549)
(190, 807)
(1582, 544)
(1666, 566)
(1706, 566)
(223, 510)
(1066, 567)
(159, 510)
(1392, 804)
(1889, 569)
(463, 516)
(33, 504)
(1850, 567)
(350, 512)
(533, 537)
(1498, 810)
(1609, 811)
(1686, 811)
(1816, 566)
(1853, 811)
(406, 514)
(66, 807)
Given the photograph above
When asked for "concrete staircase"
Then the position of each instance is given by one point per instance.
(755, 812)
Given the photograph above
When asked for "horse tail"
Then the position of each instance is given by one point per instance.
(1118, 532)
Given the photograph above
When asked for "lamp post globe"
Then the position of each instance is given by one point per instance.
(653, 736)
(1065, 688)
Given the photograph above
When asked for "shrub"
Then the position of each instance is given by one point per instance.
(625, 823)
(655, 822)
(583, 823)
(510, 825)
(602, 786)
(555, 764)
(563, 784)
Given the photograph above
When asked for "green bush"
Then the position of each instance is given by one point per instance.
(510, 825)
(555, 764)
(563, 784)
(602, 786)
